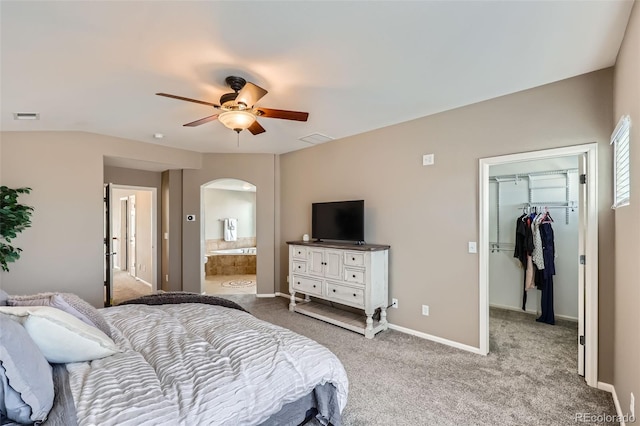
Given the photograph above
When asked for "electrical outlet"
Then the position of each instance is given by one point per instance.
(394, 303)
(632, 406)
(425, 310)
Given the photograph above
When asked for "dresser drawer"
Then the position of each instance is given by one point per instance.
(299, 252)
(307, 285)
(300, 267)
(354, 259)
(354, 275)
(344, 294)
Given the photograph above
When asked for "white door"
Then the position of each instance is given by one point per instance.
(132, 235)
(123, 239)
(582, 211)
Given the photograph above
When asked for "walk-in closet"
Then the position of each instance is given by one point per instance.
(547, 186)
(538, 306)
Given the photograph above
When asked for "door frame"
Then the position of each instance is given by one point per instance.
(154, 226)
(590, 247)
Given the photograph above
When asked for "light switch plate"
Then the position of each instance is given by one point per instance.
(473, 247)
(428, 160)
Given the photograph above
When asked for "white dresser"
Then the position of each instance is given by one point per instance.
(341, 274)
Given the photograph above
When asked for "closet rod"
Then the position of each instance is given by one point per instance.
(518, 176)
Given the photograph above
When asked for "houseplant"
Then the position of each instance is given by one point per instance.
(14, 218)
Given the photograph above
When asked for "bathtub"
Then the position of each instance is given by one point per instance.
(245, 250)
(238, 261)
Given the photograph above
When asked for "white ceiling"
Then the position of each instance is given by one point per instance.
(354, 66)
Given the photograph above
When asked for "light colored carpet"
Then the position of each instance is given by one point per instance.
(229, 284)
(529, 378)
(126, 287)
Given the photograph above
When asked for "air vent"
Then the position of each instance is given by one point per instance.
(316, 138)
(26, 116)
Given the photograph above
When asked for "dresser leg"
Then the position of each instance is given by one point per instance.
(292, 303)
(368, 331)
(383, 317)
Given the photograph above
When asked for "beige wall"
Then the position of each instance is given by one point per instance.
(428, 214)
(257, 169)
(224, 203)
(63, 250)
(627, 232)
(171, 230)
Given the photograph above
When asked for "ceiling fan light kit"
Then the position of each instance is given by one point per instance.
(237, 120)
(238, 111)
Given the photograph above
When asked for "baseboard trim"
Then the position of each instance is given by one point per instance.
(266, 295)
(612, 390)
(511, 308)
(288, 296)
(143, 282)
(436, 339)
(413, 332)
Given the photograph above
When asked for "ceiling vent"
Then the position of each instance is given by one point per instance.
(316, 138)
(26, 116)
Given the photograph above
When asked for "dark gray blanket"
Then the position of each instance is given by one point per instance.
(182, 297)
(318, 407)
(63, 412)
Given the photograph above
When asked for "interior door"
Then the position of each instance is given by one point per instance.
(132, 235)
(582, 212)
(108, 246)
(124, 234)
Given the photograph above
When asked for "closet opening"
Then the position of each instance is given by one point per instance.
(538, 223)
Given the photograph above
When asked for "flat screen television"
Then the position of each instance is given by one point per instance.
(338, 220)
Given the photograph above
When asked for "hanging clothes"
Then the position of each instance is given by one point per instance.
(546, 275)
(523, 251)
(538, 258)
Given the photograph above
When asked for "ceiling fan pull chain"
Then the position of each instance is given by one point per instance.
(238, 133)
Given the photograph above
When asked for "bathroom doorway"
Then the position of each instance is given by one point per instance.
(228, 236)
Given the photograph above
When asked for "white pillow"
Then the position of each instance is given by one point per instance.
(60, 336)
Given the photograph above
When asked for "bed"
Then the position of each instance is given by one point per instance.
(186, 359)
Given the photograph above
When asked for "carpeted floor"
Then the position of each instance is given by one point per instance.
(126, 287)
(529, 378)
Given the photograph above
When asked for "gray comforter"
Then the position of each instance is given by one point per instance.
(196, 363)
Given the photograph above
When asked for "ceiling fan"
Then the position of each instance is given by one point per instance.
(238, 108)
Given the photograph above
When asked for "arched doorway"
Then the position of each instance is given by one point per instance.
(228, 236)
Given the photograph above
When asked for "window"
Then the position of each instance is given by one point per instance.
(621, 181)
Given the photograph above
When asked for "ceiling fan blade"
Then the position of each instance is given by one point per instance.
(256, 128)
(250, 94)
(281, 113)
(182, 98)
(201, 121)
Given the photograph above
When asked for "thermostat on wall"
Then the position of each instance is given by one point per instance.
(191, 218)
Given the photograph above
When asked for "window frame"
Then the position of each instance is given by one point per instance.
(621, 161)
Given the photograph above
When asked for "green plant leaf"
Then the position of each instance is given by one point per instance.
(14, 218)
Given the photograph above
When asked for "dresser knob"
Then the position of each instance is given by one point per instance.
(353, 258)
(334, 290)
(354, 276)
(314, 286)
(354, 295)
